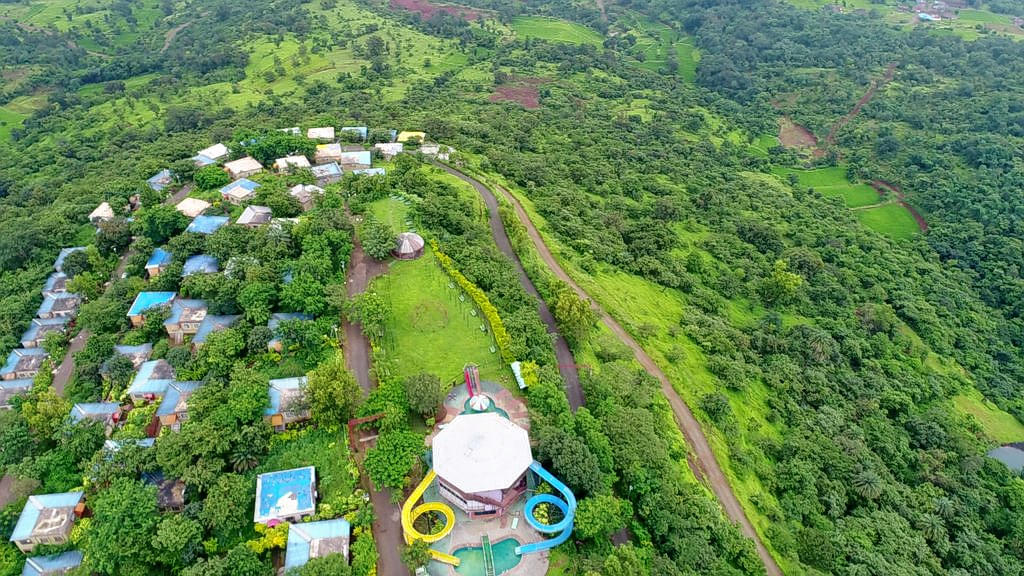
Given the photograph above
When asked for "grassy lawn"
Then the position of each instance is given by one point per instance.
(555, 30)
(763, 143)
(9, 120)
(430, 329)
(392, 212)
(655, 40)
(831, 181)
(892, 220)
(326, 449)
(999, 425)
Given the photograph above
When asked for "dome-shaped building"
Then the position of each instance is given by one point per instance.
(408, 246)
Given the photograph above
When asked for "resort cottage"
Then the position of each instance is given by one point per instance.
(192, 207)
(146, 301)
(47, 519)
(239, 191)
(186, 315)
(158, 262)
(254, 216)
(326, 173)
(11, 388)
(173, 409)
(23, 363)
(389, 150)
(243, 167)
(288, 163)
(304, 193)
(325, 134)
(287, 402)
(63, 305)
(39, 328)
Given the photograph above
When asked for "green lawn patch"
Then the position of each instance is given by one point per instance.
(831, 181)
(893, 220)
(999, 425)
(764, 143)
(430, 329)
(554, 30)
(9, 120)
(392, 212)
(326, 449)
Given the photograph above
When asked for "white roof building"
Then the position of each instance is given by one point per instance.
(289, 162)
(326, 133)
(389, 149)
(215, 152)
(254, 216)
(192, 207)
(101, 213)
(481, 452)
(243, 167)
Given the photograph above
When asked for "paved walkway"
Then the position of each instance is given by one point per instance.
(566, 362)
(692, 431)
(387, 522)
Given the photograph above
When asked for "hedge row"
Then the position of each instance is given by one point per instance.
(482, 302)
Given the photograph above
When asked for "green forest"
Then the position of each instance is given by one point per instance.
(807, 215)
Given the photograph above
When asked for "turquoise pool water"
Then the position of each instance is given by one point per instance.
(471, 558)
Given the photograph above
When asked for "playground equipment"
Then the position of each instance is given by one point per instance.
(471, 373)
(410, 514)
(566, 505)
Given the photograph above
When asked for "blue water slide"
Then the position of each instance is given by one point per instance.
(567, 504)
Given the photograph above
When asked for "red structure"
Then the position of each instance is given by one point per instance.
(472, 375)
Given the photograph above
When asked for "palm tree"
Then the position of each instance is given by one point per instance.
(868, 484)
(944, 507)
(932, 527)
(244, 457)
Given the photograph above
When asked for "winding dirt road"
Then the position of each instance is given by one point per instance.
(566, 362)
(387, 524)
(708, 466)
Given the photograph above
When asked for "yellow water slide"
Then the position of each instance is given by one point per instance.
(410, 514)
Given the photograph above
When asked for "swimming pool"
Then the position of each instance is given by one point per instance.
(471, 558)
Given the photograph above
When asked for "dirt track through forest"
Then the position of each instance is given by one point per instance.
(890, 73)
(711, 472)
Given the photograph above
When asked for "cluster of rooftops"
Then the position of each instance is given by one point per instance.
(287, 495)
(55, 314)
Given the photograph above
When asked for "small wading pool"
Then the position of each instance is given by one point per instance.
(471, 558)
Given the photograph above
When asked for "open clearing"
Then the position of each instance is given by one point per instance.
(554, 30)
(426, 10)
(429, 328)
(523, 91)
(793, 135)
(655, 41)
(832, 181)
(9, 120)
(999, 425)
(893, 220)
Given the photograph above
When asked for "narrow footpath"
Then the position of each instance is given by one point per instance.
(387, 522)
(566, 362)
(708, 466)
